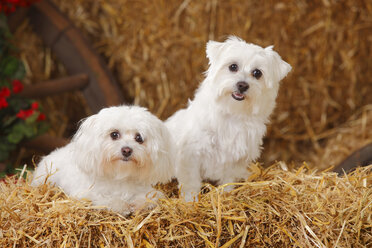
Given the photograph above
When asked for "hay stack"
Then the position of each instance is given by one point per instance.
(354, 134)
(275, 208)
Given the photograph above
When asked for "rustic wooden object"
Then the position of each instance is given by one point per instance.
(76, 54)
(45, 143)
(361, 157)
(57, 86)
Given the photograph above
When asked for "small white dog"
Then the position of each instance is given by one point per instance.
(220, 133)
(113, 160)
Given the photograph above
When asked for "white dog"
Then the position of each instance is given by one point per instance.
(113, 160)
(220, 133)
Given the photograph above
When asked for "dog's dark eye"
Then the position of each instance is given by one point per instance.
(138, 138)
(256, 73)
(115, 135)
(233, 67)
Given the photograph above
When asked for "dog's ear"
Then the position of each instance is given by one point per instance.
(86, 125)
(279, 67)
(162, 152)
(86, 149)
(213, 50)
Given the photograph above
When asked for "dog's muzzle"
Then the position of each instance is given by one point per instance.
(241, 88)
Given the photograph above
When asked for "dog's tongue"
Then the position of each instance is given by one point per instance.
(237, 96)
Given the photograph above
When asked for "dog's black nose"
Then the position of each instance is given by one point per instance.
(242, 86)
(126, 151)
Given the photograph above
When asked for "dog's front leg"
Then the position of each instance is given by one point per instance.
(115, 204)
(189, 179)
(238, 173)
(145, 200)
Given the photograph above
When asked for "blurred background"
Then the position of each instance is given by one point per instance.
(156, 52)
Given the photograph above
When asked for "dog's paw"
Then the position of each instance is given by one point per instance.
(190, 197)
(228, 188)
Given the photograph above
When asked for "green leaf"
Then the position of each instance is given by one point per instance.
(9, 121)
(11, 67)
(16, 134)
(32, 118)
(17, 128)
(17, 103)
(29, 131)
(20, 72)
(15, 137)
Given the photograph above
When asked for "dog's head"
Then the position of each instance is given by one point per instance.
(244, 78)
(125, 142)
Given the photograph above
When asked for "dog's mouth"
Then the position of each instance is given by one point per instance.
(130, 159)
(238, 96)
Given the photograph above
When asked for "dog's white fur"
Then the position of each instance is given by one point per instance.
(93, 166)
(217, 137)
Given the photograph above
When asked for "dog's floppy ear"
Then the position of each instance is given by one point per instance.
(213, 50)
(86, 148)
(85, 126)
(162, 152)
(279, 67)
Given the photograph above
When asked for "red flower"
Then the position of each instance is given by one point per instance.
(4, 92)
(3, 103)
(9, 6)
(41, 117)
(24, 114)
(17, 86)
(34, 105)
(9, 9)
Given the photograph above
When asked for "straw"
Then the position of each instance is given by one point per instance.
(296, 208)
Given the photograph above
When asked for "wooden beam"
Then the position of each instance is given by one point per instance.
(58, 86)
(76, 54)
(361, 157)
(45, 143)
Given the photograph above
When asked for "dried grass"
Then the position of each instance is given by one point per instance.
(275, 208)
(354, 134)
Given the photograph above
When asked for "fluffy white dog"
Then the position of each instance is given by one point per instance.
(113, 160)
(220, 133)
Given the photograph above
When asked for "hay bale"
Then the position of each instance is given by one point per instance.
(275, 208)
(345, 139)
